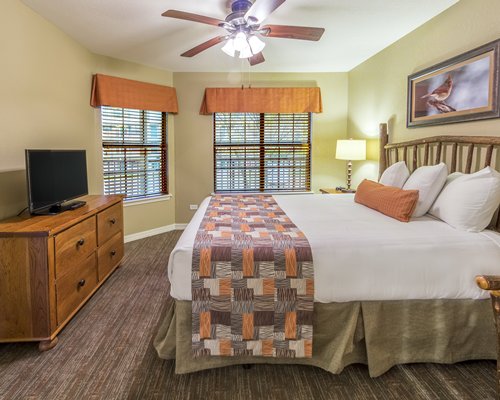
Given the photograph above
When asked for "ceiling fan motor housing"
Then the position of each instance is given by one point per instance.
(239, 8)
(241, 5)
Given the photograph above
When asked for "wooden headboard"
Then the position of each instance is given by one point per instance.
(466, 154)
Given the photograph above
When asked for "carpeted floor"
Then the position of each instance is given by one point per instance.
(106, 353)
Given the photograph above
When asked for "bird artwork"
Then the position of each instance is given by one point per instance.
(437, 97)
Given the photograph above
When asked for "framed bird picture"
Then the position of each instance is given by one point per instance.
(463, 88)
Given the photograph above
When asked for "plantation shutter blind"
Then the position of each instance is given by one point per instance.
(287, 146)
(259, 152)
(134, 152)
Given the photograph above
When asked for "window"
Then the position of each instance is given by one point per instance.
(134, 144)
(262, 152)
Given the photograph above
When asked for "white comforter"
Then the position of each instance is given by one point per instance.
(360, 254)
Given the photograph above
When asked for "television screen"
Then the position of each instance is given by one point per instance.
(55, 176)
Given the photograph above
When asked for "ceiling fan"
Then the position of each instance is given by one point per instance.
(243, 28)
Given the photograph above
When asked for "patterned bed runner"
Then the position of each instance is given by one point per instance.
(252, 281)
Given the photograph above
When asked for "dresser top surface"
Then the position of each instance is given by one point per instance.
(48, 225)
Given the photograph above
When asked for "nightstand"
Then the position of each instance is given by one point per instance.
(332, 191)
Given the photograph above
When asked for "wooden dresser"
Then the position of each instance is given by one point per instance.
(51, 265)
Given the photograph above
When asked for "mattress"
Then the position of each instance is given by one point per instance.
(360, 254)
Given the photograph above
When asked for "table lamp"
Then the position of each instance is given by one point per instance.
(350, 150)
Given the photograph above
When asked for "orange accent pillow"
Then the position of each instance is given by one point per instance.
(391, 201)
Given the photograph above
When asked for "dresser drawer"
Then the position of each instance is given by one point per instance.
(75, 286)
(109, 255)
(75, 245)
(109, 223)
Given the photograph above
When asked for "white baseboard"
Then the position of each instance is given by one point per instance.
(152, 232)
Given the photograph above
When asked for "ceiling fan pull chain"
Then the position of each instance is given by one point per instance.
(242, 74)
(249, 76)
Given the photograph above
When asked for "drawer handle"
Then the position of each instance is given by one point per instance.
(113, 221)
(81, 283)
(81, 242)
(113, 253)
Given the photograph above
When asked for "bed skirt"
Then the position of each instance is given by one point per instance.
(380, 334)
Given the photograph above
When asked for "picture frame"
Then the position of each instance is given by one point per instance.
(461, 89)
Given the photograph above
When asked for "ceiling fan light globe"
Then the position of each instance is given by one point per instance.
(246, 52)
(240, 41)
(228, 48)
(256, 44)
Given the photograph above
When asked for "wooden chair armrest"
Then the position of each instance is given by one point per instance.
(489, 282)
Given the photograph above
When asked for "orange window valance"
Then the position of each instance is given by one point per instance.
(125, 93)
(262, 100)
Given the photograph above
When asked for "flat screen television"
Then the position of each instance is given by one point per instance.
(55, 177)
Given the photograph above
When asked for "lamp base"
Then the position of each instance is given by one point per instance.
(349, 174)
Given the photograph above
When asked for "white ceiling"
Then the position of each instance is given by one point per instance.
(134, 30)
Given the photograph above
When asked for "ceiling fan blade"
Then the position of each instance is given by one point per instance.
(293, 32)
(202, 47)
(192, 17)
(261, 9)
(256, 59)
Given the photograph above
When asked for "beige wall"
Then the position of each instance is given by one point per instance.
(194, 132)
(45, 78)
(377, 88)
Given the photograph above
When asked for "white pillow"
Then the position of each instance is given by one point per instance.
(468, 201)
(396, 175)
(428, 181)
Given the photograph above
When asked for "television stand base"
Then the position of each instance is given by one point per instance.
(59, 208)
(75, 204)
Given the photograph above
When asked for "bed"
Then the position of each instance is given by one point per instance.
(386, 293)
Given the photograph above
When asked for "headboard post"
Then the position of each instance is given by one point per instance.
(466, 154)
(384, 139)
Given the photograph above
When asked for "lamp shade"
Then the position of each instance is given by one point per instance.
(246, 52)
(240, 42)
(256, 44)
(351, 150)
(229, 48)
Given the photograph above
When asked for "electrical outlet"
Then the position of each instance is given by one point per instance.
(193, 206)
